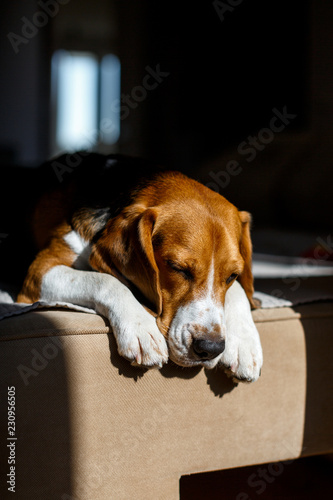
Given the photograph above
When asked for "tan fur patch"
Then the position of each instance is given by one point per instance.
(57, 253)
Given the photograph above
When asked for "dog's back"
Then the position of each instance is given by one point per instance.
(16, 246)
(35, 200)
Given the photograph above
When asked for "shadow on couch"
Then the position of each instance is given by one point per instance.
(41, 445)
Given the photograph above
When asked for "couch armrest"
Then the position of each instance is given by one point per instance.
(88, 425)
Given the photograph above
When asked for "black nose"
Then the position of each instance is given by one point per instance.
(208, 349)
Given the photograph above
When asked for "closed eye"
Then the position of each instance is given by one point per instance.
(185, 272)
(231, 278)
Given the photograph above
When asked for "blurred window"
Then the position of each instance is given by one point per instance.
(85, 100)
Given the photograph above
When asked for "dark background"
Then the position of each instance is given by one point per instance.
(227, 73)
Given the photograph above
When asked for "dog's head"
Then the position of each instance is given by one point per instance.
(182, 245)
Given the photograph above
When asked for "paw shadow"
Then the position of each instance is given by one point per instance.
(219, 383)
(171, 370)
(123, 365)
(217, 380)
(125, 369)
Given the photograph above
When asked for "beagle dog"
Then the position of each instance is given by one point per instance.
(165, 259)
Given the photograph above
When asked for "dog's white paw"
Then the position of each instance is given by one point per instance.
(242, 358)
(140, 341)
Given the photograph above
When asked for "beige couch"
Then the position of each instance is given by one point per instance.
(90, 426)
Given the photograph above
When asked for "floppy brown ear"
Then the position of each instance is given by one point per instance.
(246, 278)
(126, 247)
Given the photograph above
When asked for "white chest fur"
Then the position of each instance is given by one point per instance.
(81, 248)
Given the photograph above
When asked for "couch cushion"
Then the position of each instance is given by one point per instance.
(85, 413)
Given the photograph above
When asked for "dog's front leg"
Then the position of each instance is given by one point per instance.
(242, 357)
(137, 335)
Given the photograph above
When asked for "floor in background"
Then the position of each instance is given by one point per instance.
(288, 242)
(308, 478)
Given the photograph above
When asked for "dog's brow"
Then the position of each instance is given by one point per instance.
(158, 240)
(182, 255)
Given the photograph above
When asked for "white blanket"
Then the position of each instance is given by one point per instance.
(264, 266)
(8, 306)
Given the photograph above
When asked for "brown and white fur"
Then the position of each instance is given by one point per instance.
(166, 260)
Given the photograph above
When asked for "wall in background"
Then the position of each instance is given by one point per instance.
(200, 86)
